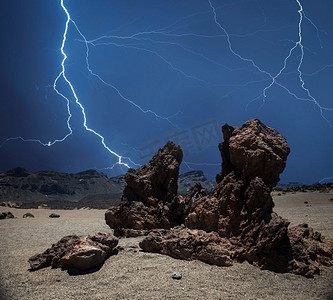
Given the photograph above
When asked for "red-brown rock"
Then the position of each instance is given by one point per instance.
(253, 150)
(189, 244)
(76, 252)
(148, 193)
(181, 206)
(237, 222)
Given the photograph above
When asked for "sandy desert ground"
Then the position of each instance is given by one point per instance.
(139, 275)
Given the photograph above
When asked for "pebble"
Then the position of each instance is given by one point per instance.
(54, 215)
(177, 275)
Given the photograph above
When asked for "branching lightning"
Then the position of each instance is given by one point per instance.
(62, 75)
(149, 40)
(145, 111)
(297, 44)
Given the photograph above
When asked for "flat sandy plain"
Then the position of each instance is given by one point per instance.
(139, 275)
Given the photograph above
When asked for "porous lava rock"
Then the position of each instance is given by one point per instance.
(148, 193)
(237, 221)
(253, 150)
(189, 244)
(76, 252)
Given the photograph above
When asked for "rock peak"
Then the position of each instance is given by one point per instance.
(253, 150)
(148, 193)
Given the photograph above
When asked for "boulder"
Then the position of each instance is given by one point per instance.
(76, 252)
(148, 193)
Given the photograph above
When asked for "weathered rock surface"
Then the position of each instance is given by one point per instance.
(76, 252)
(253, 150)
(148, 193)
(309, 250)
(237, 222)
(189, 244)
(180, 206)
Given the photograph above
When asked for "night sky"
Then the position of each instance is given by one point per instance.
(164, 70)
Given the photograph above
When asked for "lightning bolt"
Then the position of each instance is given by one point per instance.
(62, 75)
(273, 78)
(149, 41)
(145, 111)
(325, 179)
(140, 36)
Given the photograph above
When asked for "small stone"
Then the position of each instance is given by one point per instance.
(54, 215)
(177, 275)
(28, 215)
(6, 215)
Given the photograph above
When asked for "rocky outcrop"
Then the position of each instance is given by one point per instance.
(237, 222)
(76, 252)
(148, 193)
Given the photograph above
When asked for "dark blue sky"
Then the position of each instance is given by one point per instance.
(193, 71)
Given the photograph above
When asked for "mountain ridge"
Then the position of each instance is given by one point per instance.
(88, 188)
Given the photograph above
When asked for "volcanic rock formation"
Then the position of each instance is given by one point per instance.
(148, 194)
(237, 222)
(76, 252)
